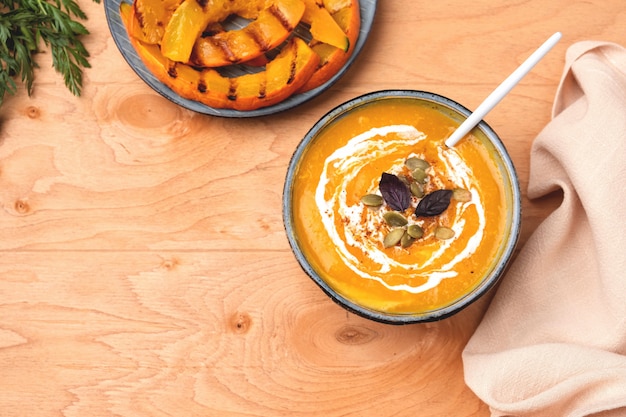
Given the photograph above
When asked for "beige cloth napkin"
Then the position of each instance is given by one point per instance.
(553, 341)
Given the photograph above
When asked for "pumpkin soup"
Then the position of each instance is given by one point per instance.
(389, 216)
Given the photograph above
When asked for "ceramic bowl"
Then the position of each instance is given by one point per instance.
(506, 240)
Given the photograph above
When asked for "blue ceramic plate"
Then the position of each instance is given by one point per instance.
(112, 7)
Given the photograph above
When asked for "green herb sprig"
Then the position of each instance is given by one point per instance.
(25, 25)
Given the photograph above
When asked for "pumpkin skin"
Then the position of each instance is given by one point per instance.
(271, 28)
(282, 77)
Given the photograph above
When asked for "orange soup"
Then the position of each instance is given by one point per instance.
(448, 207)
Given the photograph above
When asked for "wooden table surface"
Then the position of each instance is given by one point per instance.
(144, 270)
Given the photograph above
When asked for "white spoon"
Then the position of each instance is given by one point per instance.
(502, 90)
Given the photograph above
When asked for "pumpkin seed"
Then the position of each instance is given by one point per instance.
(405, 179)
(417, 190)
(406, 240)
(415, 162)
(462, 195)
(372, 200)
(395, 219)
(444, 233)
(415, 231)
(419, 175)
(393, 237)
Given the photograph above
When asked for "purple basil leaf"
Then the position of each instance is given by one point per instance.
(433, 203)
(395, 192)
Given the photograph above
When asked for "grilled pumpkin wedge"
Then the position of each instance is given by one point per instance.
(283, 75)
(346, 14)
(323, 27)
(272, 27)
(193, 16)
(152, 17)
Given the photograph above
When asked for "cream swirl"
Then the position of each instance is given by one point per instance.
(365, 235)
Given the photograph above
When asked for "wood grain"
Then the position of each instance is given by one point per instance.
(165, 333)
(144, 268)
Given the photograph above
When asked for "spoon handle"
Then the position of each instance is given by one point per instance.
(502, 90)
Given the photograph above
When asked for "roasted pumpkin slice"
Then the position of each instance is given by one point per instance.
(134, 27)
(283, 75)
(193, 16)
(152, 17)
(347, 15)
(272, 26)
(323, 27)
(185, 25)
(333, 6)
(259, 61)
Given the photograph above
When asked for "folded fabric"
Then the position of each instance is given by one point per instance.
(553, 341)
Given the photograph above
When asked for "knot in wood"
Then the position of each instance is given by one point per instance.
(240, 322)
(33, 112)
(355, 335)
(21, 207)
(169, 264)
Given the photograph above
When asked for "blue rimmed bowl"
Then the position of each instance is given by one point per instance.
(512, 197)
